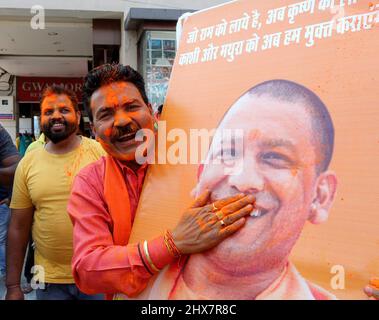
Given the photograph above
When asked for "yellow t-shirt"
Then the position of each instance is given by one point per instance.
(43, 180)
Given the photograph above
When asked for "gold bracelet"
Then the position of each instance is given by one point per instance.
(145, 249)
(170, 244)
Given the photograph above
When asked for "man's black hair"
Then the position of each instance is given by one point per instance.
(109, 73)
(58, 89)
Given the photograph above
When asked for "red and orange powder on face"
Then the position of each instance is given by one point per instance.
(56, 102)
(108, 132)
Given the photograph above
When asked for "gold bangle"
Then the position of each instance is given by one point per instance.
(145, 249)
(168, 246)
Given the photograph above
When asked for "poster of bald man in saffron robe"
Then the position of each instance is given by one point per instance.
(289, 91)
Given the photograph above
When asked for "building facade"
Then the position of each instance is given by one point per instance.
(60, 41)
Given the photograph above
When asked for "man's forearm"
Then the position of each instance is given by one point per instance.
(113, 269)
(16, 247)
(7, 174)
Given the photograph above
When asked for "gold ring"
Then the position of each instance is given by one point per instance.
(219, 215)
(222, 223)
(214, 207)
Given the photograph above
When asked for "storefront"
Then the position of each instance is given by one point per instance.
(157, 52)
(82, 36)
(155, 31)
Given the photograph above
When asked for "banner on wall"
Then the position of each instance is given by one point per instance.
(29, 89)
(297, 83)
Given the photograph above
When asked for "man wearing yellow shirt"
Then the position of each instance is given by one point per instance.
(40, 193)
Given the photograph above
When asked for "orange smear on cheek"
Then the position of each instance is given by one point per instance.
(44, 120)
(108, 132)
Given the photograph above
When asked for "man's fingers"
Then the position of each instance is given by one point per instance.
(375, 293)
(229, 230)
(238, 215)
(201, 200)
(372, 292)
(237, 205)
(223, 202)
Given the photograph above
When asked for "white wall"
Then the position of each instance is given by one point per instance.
(109, 5)
(174, 4)
(128, 48)
(87, 9)
(25, 124)
(85, 5)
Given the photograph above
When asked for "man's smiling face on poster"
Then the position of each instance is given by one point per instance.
(283, 161)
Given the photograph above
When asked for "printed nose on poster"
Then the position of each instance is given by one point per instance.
(248, 179)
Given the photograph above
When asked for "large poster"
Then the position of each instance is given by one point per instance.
(289, 92)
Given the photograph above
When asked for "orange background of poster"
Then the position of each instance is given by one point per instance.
(344, 71)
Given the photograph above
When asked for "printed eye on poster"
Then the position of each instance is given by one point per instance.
(299, 81)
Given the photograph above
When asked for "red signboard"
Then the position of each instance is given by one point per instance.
(29, 89)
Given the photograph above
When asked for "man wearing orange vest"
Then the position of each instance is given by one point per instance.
(105, 196)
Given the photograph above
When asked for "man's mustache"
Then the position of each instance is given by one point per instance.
(118, 132)
(50, 124)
